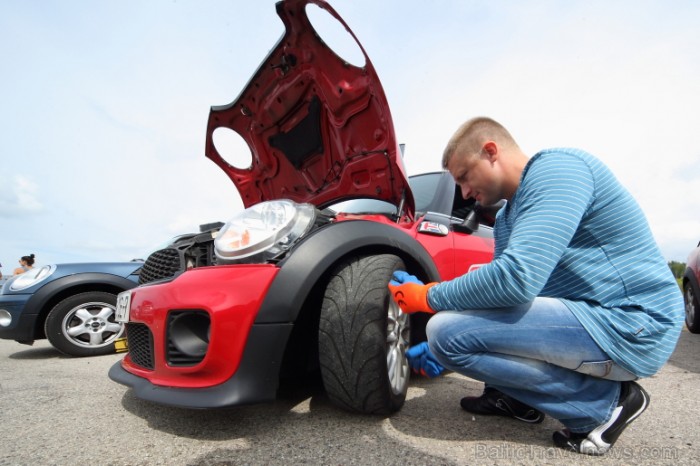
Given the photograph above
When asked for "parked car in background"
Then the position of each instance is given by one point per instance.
(296, 284)
(73, 305)
(70, 304)
(691, 290)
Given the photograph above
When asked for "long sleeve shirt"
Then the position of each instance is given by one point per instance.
(573, 232)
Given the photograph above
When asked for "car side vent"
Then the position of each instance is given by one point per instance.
(187, 337)
(179, 359)
(140, 341)
(159, 265)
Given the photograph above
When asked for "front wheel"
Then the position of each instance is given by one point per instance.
(692, 320)
(363, 337)
(84, 325)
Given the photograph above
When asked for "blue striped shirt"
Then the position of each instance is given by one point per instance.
(573, 232)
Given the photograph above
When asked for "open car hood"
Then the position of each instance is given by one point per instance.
(319, 129)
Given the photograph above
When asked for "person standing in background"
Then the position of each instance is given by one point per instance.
(26, 263)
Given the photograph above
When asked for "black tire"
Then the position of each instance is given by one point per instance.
(363, 337)
(692, 320)
(84, 325)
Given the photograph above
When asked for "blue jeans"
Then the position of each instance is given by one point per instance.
(537, 353)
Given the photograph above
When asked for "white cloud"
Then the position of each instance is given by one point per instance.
(625, 92)
(19, 197)
(114, 140)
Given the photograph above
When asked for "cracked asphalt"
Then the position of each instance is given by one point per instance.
(56, 410)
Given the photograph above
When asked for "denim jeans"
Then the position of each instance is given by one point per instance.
(537, 353)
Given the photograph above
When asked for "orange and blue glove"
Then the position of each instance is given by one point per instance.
(410, 293)
(422, 361)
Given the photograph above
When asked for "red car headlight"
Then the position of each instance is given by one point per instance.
(263, 231)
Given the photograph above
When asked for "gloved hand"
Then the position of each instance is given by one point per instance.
(401, 276)
(410, 293)
(422, 361)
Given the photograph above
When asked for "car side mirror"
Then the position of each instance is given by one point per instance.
(470, 223)
(480, 214)
(487, 214)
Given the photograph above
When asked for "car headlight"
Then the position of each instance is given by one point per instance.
(31, 277)
(263, 231)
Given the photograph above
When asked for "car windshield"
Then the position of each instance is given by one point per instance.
(422, 186)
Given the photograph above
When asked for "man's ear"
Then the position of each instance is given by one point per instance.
(491, 148)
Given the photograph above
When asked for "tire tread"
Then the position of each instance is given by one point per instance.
(352, 335)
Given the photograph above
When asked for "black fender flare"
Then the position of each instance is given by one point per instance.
(93, 280)
(314, 256)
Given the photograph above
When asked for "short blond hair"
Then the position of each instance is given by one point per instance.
(473, 134)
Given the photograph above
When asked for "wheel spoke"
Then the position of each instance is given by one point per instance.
(105, 313)
(96, 338)
(393, 325)
(76, 330)
(394, 310)
(112, 327)
(394, 367)
(390, 359)
(83, 314)
(397, 342)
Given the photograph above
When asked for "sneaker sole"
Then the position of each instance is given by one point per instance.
(594, 443)
(595, 437)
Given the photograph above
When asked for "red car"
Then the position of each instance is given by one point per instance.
(296, 284)
(691, 290)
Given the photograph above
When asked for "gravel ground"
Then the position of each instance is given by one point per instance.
(57, 410)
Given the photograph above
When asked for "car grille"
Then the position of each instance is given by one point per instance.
(140, 342)
(159, 265)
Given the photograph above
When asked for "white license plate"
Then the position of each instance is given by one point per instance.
(123, 305)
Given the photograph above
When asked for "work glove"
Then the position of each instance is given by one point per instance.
(410, 293)
(422, 361)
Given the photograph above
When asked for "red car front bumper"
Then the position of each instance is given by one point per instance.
(231, 296)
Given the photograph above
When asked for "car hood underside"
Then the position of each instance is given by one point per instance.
(319, 128)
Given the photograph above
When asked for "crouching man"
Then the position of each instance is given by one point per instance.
(577, 304)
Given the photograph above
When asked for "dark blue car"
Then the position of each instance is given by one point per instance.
(72, 305)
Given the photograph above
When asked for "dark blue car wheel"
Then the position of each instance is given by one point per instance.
(84, 325)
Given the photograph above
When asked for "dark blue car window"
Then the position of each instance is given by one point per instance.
(424, 188)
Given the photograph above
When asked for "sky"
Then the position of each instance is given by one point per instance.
(104, 105)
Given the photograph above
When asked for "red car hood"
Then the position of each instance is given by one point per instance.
(319, 129)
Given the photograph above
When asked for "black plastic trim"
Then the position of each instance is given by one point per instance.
(255, 381)
(313, 257)
(24, 332)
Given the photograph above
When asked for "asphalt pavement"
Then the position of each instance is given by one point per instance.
(56, 410)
